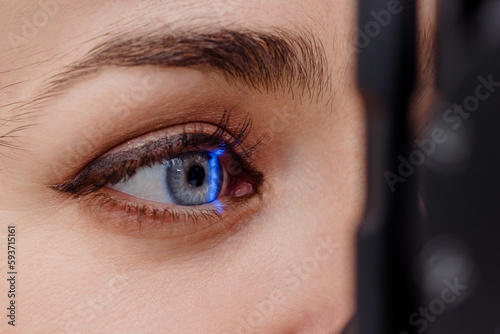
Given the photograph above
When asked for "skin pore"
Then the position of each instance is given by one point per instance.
(86, 82)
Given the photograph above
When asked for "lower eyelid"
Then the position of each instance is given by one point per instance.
(115, 213)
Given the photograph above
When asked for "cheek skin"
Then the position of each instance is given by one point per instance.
(331, 209)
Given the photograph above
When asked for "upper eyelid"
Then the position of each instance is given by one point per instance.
(100, 172)
(89, 176)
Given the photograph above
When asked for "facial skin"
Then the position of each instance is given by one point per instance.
(280, 261)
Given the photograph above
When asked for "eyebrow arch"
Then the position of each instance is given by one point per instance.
(281, 60)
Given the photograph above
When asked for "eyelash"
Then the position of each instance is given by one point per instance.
(113, 168)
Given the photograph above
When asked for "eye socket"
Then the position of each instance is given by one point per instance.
(192, 174)
(188, 179)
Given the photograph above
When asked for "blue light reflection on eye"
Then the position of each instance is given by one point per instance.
(218, 152)
(214, 182)
(218, 205)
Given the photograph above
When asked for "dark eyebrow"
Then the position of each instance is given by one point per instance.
(281, 60)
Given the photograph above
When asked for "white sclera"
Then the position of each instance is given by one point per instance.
(147, 183)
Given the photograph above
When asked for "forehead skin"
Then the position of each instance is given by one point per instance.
(78, 25)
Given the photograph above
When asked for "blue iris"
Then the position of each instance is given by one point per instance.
(194, 178)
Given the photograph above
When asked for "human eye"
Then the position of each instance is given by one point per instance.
(191, 174)
(189, 179)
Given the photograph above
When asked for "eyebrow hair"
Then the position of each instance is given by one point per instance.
(282, 60)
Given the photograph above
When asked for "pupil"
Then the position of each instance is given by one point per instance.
(196, 175)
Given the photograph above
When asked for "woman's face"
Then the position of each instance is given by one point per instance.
(144, 201)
